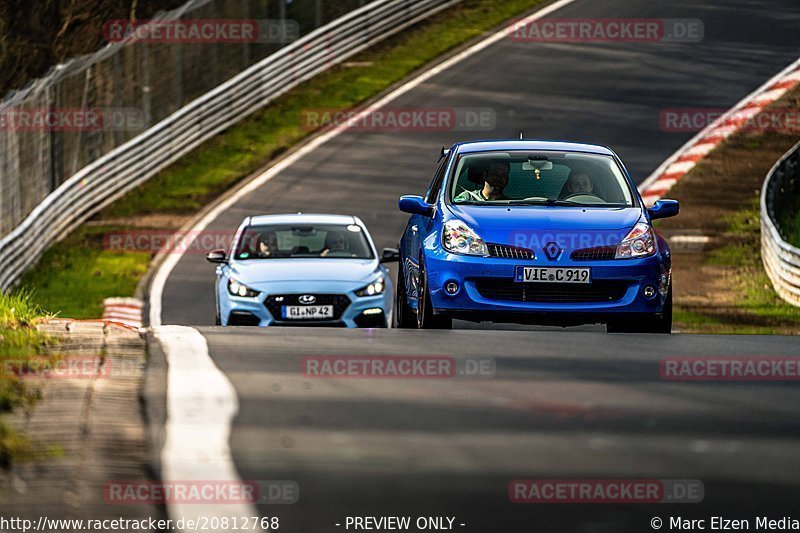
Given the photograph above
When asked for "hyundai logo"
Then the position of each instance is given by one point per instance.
(553, 251)
(307, 299)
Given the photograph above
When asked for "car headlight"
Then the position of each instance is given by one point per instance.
(373, 289)
(640, 242)
(238, 289)
(459, 238)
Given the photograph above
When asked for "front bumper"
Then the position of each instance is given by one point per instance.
(361, 311)
(512, 303)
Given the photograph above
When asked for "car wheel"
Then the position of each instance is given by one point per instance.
(425, 317)
(403, 314)
(661, 324)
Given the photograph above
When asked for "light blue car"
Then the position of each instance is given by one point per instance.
(303, 270)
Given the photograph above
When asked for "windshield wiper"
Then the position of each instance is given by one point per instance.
(570, 203)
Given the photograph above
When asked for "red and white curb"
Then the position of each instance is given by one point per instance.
(127, 311)
(684, 160)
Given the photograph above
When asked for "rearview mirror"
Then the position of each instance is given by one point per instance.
(390, 255)
(664, 209)
(415, 205)
(534, 165)
(217, 256)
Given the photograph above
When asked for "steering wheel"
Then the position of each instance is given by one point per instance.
(567, 197)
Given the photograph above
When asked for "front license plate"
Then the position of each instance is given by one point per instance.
(553, 275)
(308, 312)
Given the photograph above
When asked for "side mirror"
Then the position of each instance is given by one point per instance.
(390, 255)
(664, 209)
(217, 256)
(415, 205)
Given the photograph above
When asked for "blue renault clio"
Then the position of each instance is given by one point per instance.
(534, 232)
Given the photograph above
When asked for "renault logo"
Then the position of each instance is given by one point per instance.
(553, 251)
(307, 299)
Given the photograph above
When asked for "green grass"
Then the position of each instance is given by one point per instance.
(21, 345)
(74, 276)
(754, 291)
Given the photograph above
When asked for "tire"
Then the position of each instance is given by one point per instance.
(404, 316)
(658, 324)
(425, 317)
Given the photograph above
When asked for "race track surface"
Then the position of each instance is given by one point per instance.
(576, 405)
(607, 93)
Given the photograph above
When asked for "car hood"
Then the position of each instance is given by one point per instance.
(535, 226)
(254, 272)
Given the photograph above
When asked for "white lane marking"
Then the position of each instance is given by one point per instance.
(201, 404)
(700, 149)
(782, 75)
(682, 167)
(172, 259)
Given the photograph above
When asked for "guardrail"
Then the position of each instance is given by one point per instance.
(131, 164)
(778, 198)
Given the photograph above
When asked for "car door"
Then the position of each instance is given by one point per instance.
(417, 231)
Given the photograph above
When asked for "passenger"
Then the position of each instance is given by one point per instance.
(579, 182)
(335, 241)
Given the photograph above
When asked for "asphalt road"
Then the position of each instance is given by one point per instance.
(561, 404)
(558, 405)
(607, 93)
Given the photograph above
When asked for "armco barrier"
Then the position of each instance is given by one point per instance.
(131, 164)
(779, 199)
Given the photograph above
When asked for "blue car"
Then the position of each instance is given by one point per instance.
(303, 270)
(534, 232)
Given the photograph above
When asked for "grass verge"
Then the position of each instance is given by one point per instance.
(76, 274)
(21, 346)
(724, 288)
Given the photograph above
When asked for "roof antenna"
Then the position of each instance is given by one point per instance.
(521, 136)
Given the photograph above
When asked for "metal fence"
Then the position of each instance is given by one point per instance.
(134, 85)
(779, 202)
(50, 182)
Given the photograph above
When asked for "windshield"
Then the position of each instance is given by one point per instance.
(329, 241)
(540, 178)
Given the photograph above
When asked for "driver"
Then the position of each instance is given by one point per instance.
(268, 245)
(495, 180)
(579, 182)
(335, 241)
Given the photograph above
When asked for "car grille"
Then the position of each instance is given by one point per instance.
(243, 318)
(510, 252)
(340, 303)
(506, 289)
(604, 253)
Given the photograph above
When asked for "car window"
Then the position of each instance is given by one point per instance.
(436, 184)
(547, 178)
(329, 241)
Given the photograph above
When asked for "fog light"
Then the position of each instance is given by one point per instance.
(451, 287)
(373, 311)
(650, 291)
